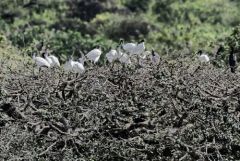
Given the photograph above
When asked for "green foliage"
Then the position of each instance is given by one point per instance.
(115, 27)
(234, 39)
(199, 22)
(85, 10)
(137, 5)
(163, 10)
(68, 26)
(9, 55)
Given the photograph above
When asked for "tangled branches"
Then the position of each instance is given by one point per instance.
(174, 111)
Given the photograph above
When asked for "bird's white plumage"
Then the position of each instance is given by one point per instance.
(125, 59)
(204, 58)
(55, 61)
(68, 66)
(78, 67)
(129, 47)
(94, 55)
(74, 66)
(52, 60)
(49, 60)
(134, 49)
(140, 48)
(41, 62)
(112, 55)
(119, 52)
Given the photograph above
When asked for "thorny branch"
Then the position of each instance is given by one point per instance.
(166, 112)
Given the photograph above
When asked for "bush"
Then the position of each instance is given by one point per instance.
(164, 11)
(86, 10)
(137, 5)
(128, 29)
(234, 39)
(75, 24)
(115, 26)
(165, 23)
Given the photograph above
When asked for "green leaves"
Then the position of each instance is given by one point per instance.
(137, 5)
(70, 26)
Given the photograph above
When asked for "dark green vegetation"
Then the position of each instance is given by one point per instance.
(177, 110)
(70, 26)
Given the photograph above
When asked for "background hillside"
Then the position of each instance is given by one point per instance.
(70, 26)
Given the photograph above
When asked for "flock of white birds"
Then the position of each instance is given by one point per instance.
(123, 53)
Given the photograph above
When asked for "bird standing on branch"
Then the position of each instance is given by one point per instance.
(203, 58)
(220, 50)
(94, 54)
(232, 60)
(40, 62)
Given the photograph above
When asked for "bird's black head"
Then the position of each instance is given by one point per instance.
(141, 41)
(121, 42)
(220, 49)
(44, 54)
(119, 47)
(199, 52)
(97, 47)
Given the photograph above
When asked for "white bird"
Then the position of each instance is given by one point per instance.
(52, 60)
(122, 57)
(94, 54)
(203, 58)
(128, 47)
(132, 48)
(125, 59)
(78, 67)
(40, 62)
(119, 52)
(155, 58)
(140, 48)
(55, 61)
(74, 66)
(112, 55)
(68, 66)
(45, 56)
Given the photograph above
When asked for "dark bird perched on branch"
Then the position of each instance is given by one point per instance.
(220, 50)
(232, 60)
(155, 57)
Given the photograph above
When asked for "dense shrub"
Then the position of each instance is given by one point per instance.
(128, 29)
(137, 5)
(164, 11)
(165, 24)
(75, 25)
(234, 39)
(86, 10)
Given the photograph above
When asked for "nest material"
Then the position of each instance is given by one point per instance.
(173, 111)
